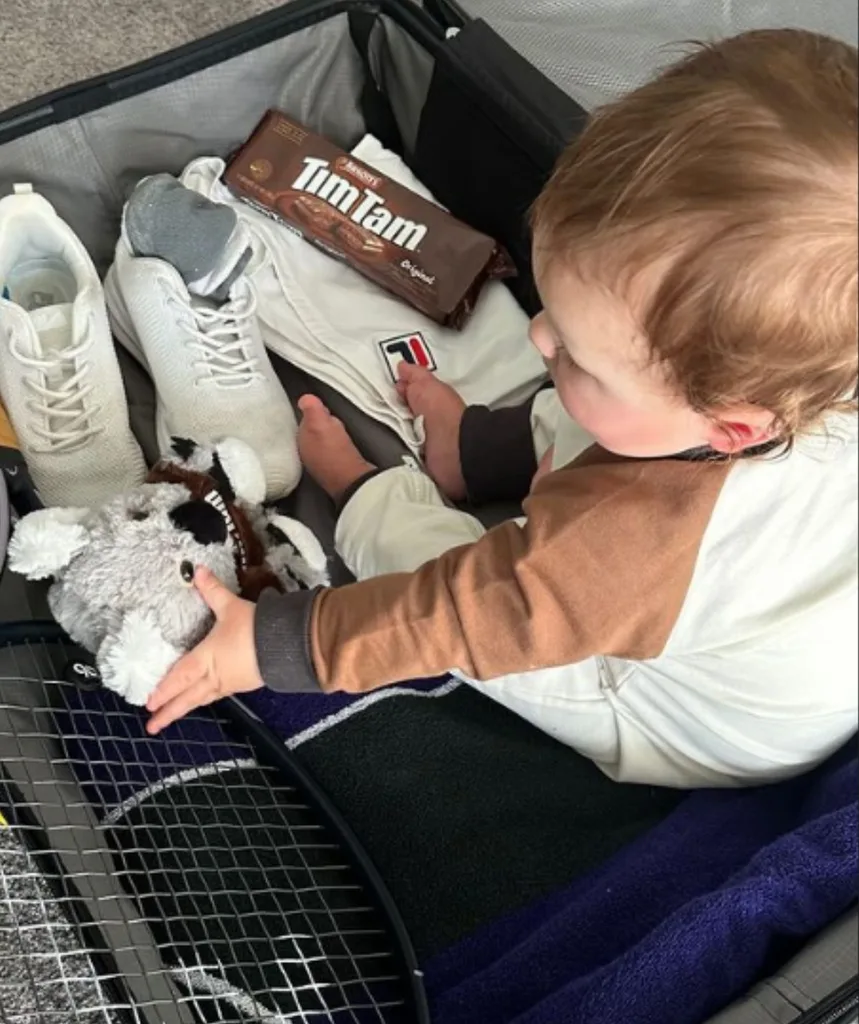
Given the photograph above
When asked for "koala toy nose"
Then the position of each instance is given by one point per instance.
(204, 522)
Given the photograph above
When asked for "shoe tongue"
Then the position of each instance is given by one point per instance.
(53, 331)
(204, 241)
(53, 327)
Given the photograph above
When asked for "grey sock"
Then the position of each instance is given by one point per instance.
(204, 241)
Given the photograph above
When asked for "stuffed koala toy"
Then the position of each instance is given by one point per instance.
(124, 572)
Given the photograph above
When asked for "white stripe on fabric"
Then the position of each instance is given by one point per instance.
(179, 779)
(372, 698)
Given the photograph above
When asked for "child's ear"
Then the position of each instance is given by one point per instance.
(743, 426)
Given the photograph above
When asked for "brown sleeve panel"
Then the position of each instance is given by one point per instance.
(602, 566)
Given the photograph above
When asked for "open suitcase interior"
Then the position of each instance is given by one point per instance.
(171, 907)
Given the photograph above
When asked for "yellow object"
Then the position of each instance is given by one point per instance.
(3, 822)
(7, 434)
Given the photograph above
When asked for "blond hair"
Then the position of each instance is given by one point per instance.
(737, 168)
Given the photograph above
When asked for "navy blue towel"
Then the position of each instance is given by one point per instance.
(679, 923)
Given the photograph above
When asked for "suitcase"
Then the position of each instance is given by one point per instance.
(388, 69)
(477, 123)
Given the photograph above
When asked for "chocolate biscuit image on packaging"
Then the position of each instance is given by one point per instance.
(396, 238)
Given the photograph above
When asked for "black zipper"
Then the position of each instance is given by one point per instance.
(447, 13)
(840, 1007)
(102, 90)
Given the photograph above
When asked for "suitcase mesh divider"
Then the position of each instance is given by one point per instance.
(169, 879)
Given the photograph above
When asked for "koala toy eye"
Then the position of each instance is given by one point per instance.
(138, 515)
(186, 571)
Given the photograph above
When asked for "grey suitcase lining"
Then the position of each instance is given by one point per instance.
(820, 969)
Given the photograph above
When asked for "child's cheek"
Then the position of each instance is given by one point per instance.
(577, 399)
(606, 419)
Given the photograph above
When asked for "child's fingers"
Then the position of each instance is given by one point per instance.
(218, 597)
(187, 672)
(197, 696)
(408, 373)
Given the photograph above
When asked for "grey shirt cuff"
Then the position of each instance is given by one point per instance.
(282, 638)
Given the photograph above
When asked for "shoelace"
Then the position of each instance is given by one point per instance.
(66, 403)
(220, 335)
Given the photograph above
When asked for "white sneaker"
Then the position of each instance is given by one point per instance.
(59, 377)
(212, 374)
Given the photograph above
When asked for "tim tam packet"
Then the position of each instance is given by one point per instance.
(403, 242)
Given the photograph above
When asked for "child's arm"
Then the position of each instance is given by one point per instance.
(601, 566)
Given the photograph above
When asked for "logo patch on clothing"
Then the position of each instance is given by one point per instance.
(407, 348)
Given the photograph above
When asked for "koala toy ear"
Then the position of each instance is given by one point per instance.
(241, 467)
(46, 541)
(295, 554)
(135, 659)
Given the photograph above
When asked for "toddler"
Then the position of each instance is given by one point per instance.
(679, 600)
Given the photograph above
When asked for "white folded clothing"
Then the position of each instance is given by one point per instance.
(325, 318)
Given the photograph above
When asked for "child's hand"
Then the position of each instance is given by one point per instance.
(544, 467)
(222, 664)
(442, 409)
